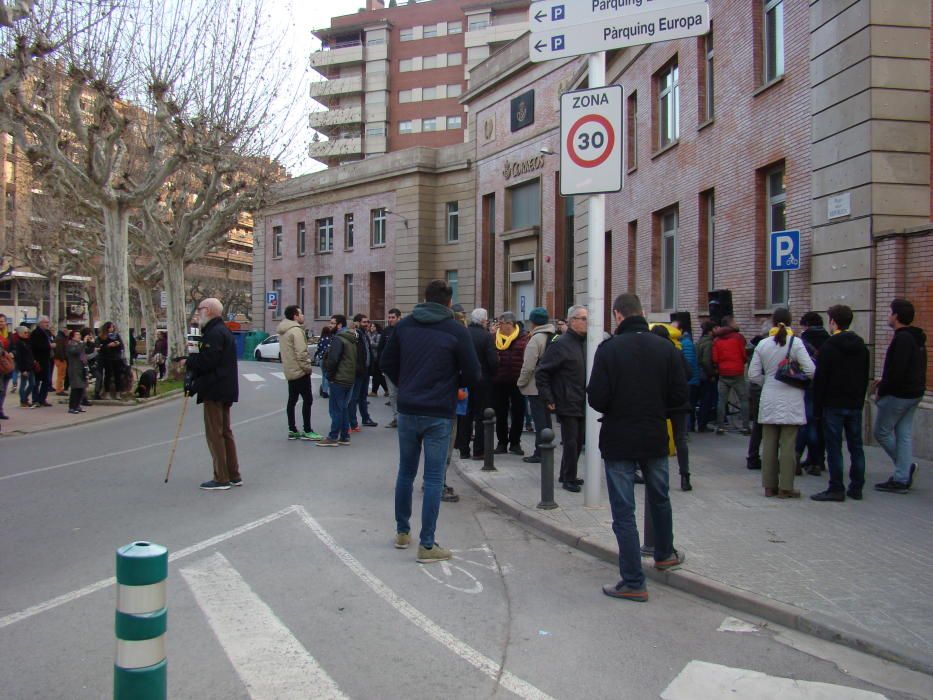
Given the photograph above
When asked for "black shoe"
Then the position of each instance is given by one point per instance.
(685, 483)
(829, 496)
(516, 450)
(571, 487)
(578, 482)
(753, 463)
(4, 416)
(639, 479)
(501, 449)
(532, 459)
(370, 423)
(215, 485)
(910, 476)
(891, 486)
(854, 495)
(464, 454)
(814, 470)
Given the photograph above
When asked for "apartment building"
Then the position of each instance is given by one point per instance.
(394, 75)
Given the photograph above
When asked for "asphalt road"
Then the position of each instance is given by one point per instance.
(290, 587)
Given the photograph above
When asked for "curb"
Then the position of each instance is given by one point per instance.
(149, 403)
(813, 623)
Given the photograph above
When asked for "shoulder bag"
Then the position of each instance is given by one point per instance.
(789, 371)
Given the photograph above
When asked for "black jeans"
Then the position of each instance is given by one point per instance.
(300, 387)
(679, 429)
(572, 431)
(509, 403)
(542, 419)
(74, 399)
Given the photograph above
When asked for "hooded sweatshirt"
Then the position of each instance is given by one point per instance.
(905, 365)
(841, 378)
(428, 357)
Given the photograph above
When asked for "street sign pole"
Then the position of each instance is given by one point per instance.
(596, 253)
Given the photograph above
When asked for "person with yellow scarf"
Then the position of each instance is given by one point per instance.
(508, 401)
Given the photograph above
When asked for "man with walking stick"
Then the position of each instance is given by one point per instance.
(216, 383)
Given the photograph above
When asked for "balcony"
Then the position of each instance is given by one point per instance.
(338, 86)
(337, 56)
(336, 148)
(494, 34)
(335, 117)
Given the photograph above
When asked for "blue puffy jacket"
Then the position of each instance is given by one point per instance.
(690, 354)
(428, 357)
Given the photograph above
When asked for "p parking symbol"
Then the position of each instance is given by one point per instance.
(557, 13)
(557, 43)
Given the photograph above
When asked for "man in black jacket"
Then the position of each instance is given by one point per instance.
(359, 396)
(839, 387)
(481, 393)
(637, 379)
(42, 342)
(429, 357)
(899, 392)
(561, 380)
(216, 382)
(392, 317)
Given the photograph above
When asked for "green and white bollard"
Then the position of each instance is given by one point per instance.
(139, 670)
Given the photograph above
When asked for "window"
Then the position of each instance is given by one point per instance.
(452, 282)
(404, 96)
(277, 287)
(429, 124)
(778, 286)
(276, 241)
(525, 205)
(300, 293)
(707, 109)
(348, 231)
(453, 122)
(404, 127)
(710, 240)
(376, 131)
(773, 39)
(348, 294)
(325, 235)
(429, 93)
(430, 30)
(325, 297)
(453, 222)
(454, 90)
(631, 135)
(455, 27)
(429, 62)
(406, 34)
(477, 24)
(302, 242)
(404, 65)
(377, 227)
(669, 260)
(668, 106)
(454, 59)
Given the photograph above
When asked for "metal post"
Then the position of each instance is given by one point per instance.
(596, 254)
(489, 439)
(139, 671)
(546, 446)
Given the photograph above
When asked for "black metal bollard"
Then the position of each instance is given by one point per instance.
(489, 439)
(546, 446)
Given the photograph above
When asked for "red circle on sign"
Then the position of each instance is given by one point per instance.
(610, 140)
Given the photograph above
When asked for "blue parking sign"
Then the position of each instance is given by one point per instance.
(272, 300)
(785, 251)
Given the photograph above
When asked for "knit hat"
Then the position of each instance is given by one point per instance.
(539, 316)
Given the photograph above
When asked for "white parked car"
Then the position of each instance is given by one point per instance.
(269, 349)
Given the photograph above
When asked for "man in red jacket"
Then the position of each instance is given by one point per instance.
(507, 399)
(729, 356)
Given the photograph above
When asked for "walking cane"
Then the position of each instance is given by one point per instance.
(181, 419)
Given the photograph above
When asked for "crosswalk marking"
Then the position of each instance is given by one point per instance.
(280, 375)
(254, 377)
(270, 661)
(700, 680)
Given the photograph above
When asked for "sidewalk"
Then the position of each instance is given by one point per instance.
(853, 572)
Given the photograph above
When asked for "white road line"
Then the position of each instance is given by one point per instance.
(267, 657)
(132, 449)
(700, 680)
(506, 679)
(254, 377)
(278, 375)
(100, 585)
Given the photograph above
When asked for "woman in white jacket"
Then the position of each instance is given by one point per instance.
(782, 409)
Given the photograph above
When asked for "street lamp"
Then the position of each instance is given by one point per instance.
(390, 212)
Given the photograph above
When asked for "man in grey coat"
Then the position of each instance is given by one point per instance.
(542, 332)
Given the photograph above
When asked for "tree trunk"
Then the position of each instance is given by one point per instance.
(115, 304)
(176, 313)
(54, 304)
(149, 316)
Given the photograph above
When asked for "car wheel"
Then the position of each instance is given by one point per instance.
(258, 356)
(280, 357)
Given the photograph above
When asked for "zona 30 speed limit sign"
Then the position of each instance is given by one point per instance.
(591, 141)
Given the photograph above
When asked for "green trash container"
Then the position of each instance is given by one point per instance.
(253, 338)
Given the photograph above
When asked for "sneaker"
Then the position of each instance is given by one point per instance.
(828, 495)
(310, 435)
(448, 495)
(892, 486)
(623, 592)
(392, 424)
(435, 553)
(402, 540)
(370, 423)
(343, 442)
(516, 450)
(236, 482)
(910, 476)
(357, 429)
(532, 459)
(73, 410)
(294, 435)
(570, 486)
(327, 442)
(215, 485)
(674, 562)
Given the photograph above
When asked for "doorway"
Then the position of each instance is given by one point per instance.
(522, 283)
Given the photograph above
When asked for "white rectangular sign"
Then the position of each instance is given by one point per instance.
(632, 30)
(554, 14)
(591, 141)
(838, 206)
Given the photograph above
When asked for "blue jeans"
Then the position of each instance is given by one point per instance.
(338, 405)
(434, 434)
(836, 422)
(358, 398)
(810, 436)
(894, 429)
(620, 479)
